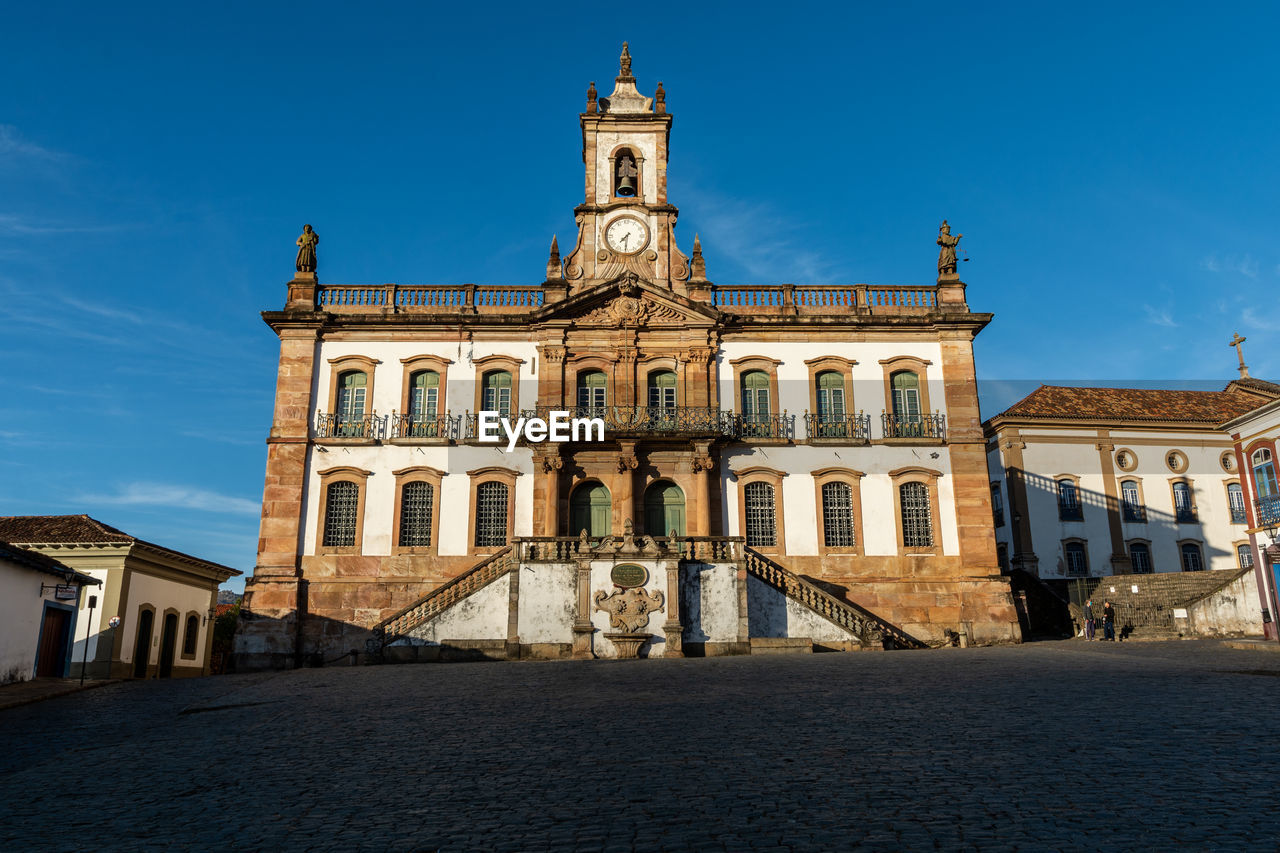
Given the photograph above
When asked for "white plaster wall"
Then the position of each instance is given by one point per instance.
(868, 373)
(548, 597)
(162, 594)
(21, 611)
(799, 495)
(996, 472)
(770, 613)
(709, 602)
(1234, 609)
(601, 580)
(480, 616)
(86, 628)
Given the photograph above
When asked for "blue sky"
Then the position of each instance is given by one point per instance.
(1114, 171)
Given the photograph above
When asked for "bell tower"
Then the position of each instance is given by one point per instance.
(625, 223)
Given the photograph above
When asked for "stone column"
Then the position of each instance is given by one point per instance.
(582, 627)
(624, 487)
(672, 628)
(549, 487)
(704, 469)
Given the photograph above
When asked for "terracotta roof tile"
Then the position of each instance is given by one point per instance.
(43, 563)
(1132, 404)
(59, 528)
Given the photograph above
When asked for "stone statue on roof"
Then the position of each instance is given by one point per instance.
(307, 243)
(947, 254)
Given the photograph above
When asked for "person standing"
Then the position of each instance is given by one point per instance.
(1089, 621)
(1108, 621)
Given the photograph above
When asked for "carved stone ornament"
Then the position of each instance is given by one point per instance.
(552, 463)
(632, 311)
(627, 463)
(703, 463)
(306, 243)
(629, 609)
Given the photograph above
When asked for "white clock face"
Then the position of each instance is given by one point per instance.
(626, 235)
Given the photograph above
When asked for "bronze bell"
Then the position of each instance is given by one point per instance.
(626, 187)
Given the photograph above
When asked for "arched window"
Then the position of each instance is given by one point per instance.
(592, 393)
(626, 174)
(831, 405)
(1131, 500)
(424, 395)
(761, 516)
(189, 636)
(496, 395)
(1140, 558)
(917, 516)
(1192, 559)
(417, 505)
(837, 515)
(1076, 561)
(755, 397)
(1069, 501)
(590, 509)
(1235, 499)
(342, 501)
(1245, 554)
(663, 509)
(662, 389)
(906, 396)
(1183, 509)
(1264, 473)
(352, 387)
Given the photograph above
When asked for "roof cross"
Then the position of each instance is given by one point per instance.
(1236, 341)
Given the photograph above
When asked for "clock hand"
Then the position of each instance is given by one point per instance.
(625, 238)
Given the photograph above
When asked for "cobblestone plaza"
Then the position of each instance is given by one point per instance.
(1043, 746)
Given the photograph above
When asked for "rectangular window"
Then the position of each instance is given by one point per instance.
(1192, 560)
(416, 506)
(997, 505)
(837, 515)
(1183, 509)
(341, 505)
(917, 515)
(1077, 565)
(1068, 502)
(491, 515)
(1131, 498)
(1140, 558)
(1245, 555)
(761, 517)
(1235, 496)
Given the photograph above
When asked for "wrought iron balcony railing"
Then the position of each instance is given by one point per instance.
(1267, 509)
(1185, 515)
(422, 426)
(914, 426)
(855, 428)
(655, 420)
(1135, 514)
(1070, 512)
(335, 425)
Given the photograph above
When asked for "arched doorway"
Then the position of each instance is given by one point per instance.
(168, 644)
(663, 509)
(590, 509)
(142, 645)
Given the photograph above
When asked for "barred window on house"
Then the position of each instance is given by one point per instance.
(342, 500)
(1192, 559)
(417, 503)
(1245, 554)
(1235, 497)
(491, 514)
(1140, 558)
(1077, 562)
(1069, 501)
(917, 515)
(761, 515)
(1131, 498)
(837, 515)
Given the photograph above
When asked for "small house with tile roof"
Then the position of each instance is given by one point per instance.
(154, 614)
(38, 609)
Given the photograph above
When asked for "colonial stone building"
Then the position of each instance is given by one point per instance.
(781, 464)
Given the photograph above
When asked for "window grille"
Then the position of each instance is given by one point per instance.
(1192, 560)
(761, 517)
(1235, 495)
(1068, 501)
(1140, 558)
(1077, 566)
(1245, 553)
(837, 515)
(416, 505)
(917, 515)
(342, 501)
(491, 515)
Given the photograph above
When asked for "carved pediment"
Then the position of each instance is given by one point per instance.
(629, 301)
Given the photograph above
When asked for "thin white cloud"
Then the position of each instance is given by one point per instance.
(11, 224)
(1252, 318)
(1245, 265)
(13, 147)
(169, 495)
(100, 310)
(1160, 317)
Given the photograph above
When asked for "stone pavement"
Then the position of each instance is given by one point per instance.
(1046, 746)
(38, 689)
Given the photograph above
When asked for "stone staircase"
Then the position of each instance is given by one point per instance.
(863, 624)
(1148, 613)
(444, 596)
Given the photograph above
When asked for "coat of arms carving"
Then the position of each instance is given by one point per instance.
(629, 609)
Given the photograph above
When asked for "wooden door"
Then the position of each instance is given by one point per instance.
(142, 646)
(55, 633)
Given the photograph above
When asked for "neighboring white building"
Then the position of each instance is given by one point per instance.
(1256, 440)
(38, 614)
(1090, 482)
(162, 600)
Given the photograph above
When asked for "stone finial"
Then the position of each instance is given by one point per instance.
(553, 262)
(592, 103)
(697, 266)
(660, 99)
(624, 63)
(306, 243)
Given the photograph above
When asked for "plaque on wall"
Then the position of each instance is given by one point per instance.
(628, 575)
